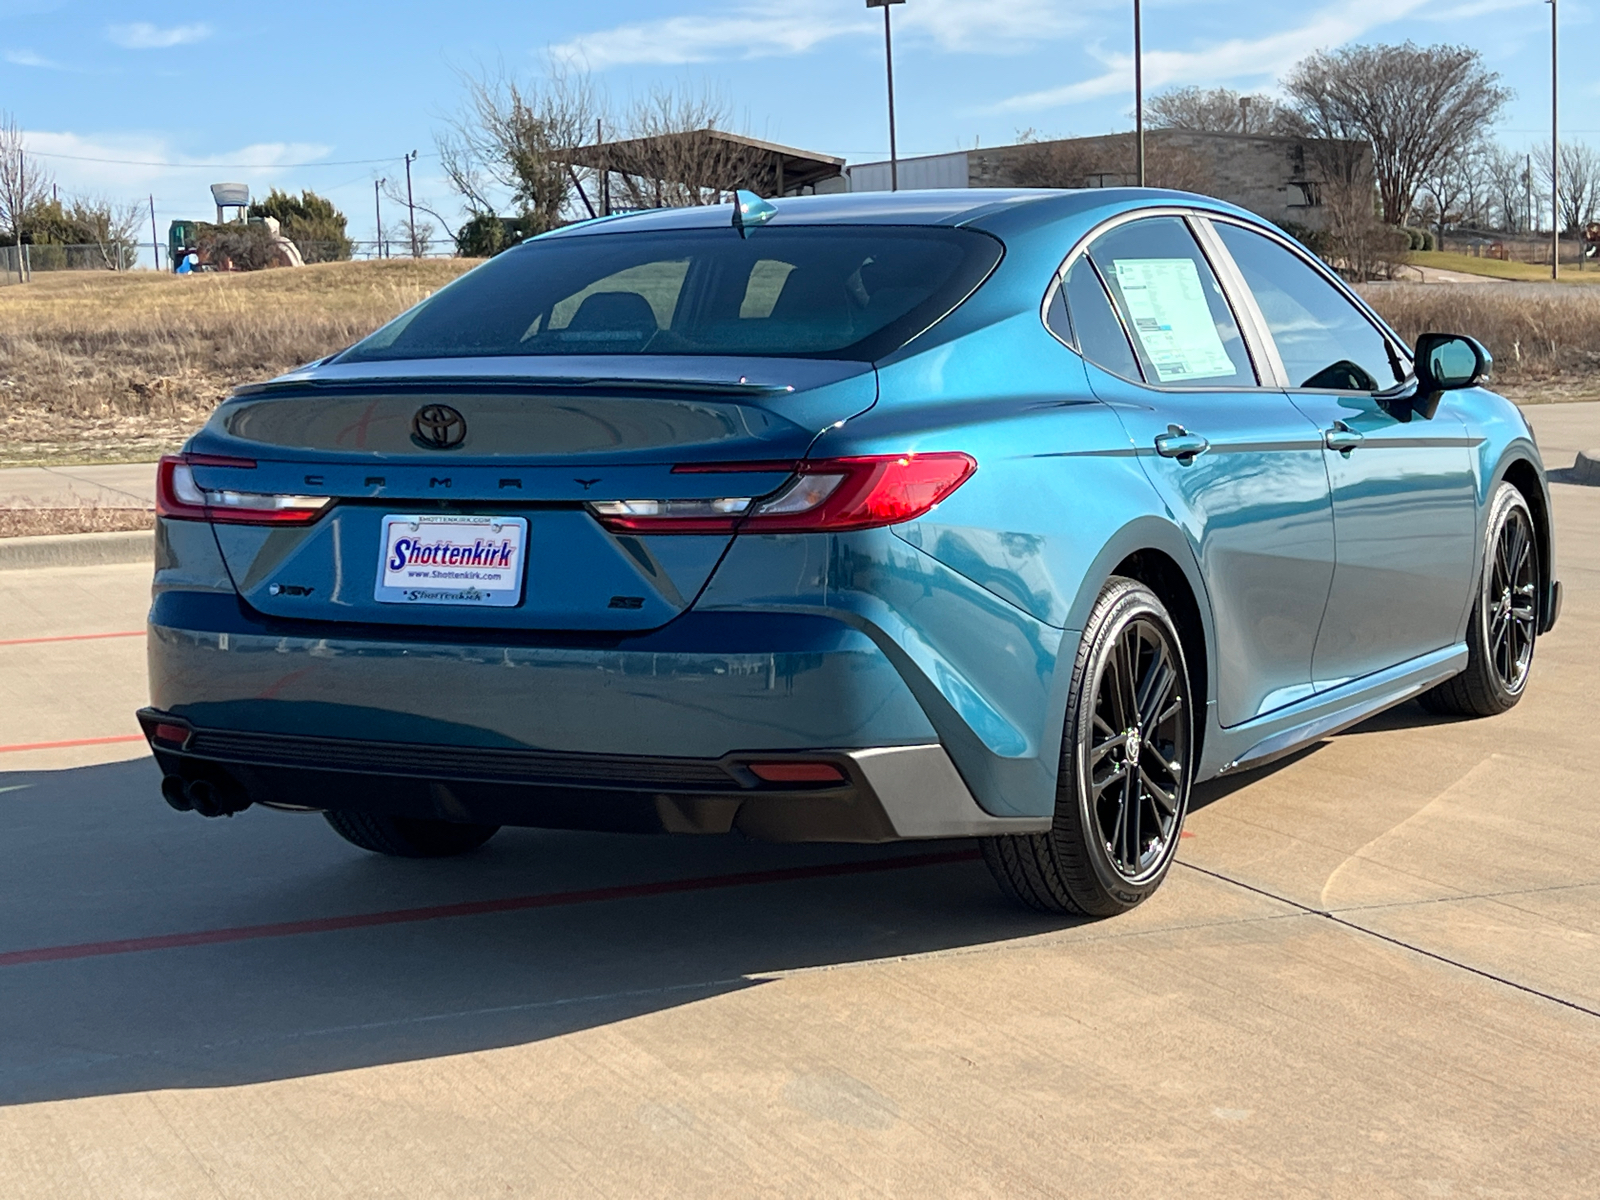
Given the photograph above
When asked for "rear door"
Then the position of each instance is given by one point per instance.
(1404, 490)
(1239, 466)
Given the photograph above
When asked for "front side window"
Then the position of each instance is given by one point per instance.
(1174, 309)
(1325, 342)
(820, 291)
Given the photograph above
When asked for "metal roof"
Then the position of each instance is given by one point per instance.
(711, 159)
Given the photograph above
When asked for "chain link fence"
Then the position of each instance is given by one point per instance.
(17, 264)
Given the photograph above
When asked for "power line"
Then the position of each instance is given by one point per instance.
(213, 166)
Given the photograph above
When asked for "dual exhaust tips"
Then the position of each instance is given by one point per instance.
(208, 797)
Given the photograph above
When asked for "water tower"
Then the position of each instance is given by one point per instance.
(231, 195)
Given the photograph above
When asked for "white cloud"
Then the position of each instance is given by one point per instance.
(118, 163)
(1233, 59)
(142, 35)
(27, 58)
(1479, 8)
(754, 31)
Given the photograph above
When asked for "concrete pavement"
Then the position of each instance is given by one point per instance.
(1373, 973)
(115, 485)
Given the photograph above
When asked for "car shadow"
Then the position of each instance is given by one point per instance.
(94, 858)
(1410, 715)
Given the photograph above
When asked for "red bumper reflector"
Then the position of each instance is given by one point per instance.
(796, 772)
(175, 735)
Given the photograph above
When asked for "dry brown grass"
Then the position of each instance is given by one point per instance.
(106, 367)
(1545, 338)
(84, 518)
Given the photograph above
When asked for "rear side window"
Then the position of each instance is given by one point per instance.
(1325, 341)
(1172, 305)
(1101, 338)
(806, 291)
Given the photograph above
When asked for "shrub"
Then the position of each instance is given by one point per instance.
(487, 235)
(310, 221)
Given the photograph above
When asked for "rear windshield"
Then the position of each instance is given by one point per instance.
(805, 291)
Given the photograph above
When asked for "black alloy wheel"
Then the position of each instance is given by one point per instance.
(1123, 788)
(1511, 600)
(1135, 750)
(1503, 630)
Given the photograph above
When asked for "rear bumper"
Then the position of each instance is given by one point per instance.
(645, 733)
(884, 794)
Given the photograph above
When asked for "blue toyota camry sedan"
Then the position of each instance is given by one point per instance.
(994, 514)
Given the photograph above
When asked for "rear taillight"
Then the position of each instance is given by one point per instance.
(823, 495)
(180, 498)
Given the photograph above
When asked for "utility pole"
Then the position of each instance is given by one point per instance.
(1527, 183)
(377, 208)
(23, 265)
(411, 208)
(1138, 91)
(155, 238)
(888, 64)
(1555, 154)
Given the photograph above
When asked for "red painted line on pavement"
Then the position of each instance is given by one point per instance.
(104, 741)
(474, 908)
(71, 637)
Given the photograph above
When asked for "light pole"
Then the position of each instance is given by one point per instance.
(377, 208)
(411, 208)
(888, 63)
(1138, 91)
(1555, 155)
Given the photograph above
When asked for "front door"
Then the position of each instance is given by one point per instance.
(1238, 465)
(1404, 500)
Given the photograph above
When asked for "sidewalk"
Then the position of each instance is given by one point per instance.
(117, 485)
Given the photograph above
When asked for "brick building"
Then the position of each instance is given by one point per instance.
(1284, 179)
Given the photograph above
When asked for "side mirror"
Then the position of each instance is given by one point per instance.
(1446, 361)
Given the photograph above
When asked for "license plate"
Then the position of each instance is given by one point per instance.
(439, 559)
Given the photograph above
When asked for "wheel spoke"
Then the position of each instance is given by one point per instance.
(1101, 749)
(1166, 801)
(1156, 686)
(1131, 803)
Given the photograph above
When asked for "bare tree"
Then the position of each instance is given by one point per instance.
(110, 227)
(1219, 110)
(24, 184)
(1456, 185)
(1507, 184)
(1414, 105)
(1580, 182)
(514, 137)
(679, 151)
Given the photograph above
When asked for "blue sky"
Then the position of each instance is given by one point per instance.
(329, 96)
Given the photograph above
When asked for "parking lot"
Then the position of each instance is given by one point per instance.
(1374, 972)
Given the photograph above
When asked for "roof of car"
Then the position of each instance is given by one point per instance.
(942, 206)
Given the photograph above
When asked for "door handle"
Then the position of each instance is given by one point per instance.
(1341, 438)
(1177, 442)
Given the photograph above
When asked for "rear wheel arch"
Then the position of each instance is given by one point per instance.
(1159, 572)
(1521, 474)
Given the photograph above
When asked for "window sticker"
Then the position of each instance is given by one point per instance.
(1172, 319)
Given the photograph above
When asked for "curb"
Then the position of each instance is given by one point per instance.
(78, 550)
(1587, 468)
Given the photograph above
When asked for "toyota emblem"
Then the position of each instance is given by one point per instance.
(438, 427)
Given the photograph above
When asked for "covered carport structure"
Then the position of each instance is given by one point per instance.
(695, 167)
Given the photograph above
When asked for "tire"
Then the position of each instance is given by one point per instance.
(408, 837)
(1130, 687)
(1504, 626)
